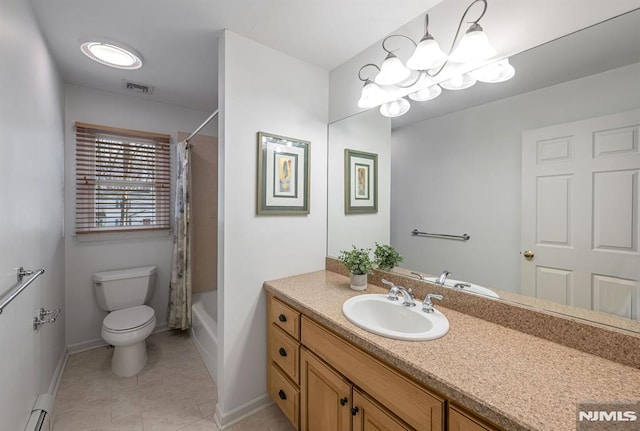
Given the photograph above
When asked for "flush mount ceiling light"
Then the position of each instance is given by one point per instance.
(112, 54)
(429, 69)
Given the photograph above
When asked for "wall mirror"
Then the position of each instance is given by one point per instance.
(456, 165)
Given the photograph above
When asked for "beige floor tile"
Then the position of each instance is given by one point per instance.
(267, 419)
(204, 424)
(174, 392)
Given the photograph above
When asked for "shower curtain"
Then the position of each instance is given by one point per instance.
(180, 286)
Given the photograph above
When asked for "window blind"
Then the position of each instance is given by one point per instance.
(122, 179)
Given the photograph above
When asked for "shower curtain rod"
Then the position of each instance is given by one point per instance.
(211, 117)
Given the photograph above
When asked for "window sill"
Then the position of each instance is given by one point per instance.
(119, 236)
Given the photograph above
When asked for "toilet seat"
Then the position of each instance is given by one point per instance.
(129, 319)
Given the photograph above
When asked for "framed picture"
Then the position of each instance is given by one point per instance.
(360, 182)
(283, 175)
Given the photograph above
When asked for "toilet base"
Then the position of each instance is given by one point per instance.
(129, 360)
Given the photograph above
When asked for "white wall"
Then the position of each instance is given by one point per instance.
(31, 211)
(370, 132)
(88, 254)
(261, 90)
(461, 173)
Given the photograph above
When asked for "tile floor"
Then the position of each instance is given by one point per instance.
(174, 392)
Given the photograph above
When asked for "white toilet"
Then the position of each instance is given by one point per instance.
(123, 293)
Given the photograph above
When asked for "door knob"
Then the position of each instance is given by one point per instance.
(528, 254)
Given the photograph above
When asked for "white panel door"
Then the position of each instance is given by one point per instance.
(580, 205)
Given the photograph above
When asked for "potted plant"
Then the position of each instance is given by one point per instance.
(386, 257)
(358, 262)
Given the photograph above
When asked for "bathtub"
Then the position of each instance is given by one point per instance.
(204, 329)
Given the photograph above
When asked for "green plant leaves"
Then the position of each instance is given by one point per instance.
(386, 257)
(357, 260)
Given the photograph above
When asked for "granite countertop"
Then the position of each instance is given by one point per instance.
(515, 380)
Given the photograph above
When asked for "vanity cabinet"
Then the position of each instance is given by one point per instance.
(331, 402)
(459, 420)
(370, 416)
(283, 345)
(419, 408)
(325, 398)
(323, 382)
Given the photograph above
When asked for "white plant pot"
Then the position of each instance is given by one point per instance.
(358, 282)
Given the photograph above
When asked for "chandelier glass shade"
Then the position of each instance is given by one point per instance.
(392, 71)
(474, 46)
(395, 108)
(459, 82)
(426, 93)
(499, 71)
(427, 55)
(428, 70)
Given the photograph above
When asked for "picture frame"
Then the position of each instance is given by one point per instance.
(283, 175)
(360, 182)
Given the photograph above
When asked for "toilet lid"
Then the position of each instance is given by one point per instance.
(128, 318)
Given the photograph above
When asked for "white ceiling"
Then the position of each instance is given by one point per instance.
(178, 39)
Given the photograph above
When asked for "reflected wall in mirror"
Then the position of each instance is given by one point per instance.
(459, 168)
(369, 132)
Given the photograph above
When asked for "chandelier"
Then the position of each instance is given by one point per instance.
(429, 69)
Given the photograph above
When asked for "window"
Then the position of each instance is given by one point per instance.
(122, 180)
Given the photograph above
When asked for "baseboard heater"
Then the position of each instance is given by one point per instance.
(40, 419)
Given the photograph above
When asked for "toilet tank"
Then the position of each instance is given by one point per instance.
(124, 288)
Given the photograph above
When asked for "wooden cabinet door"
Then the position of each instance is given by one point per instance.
(369, 416)
(461, 421)
(325, 396)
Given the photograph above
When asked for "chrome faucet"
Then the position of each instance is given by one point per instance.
(417, 274)
(427, 304)
(443, 277)
(407, 296)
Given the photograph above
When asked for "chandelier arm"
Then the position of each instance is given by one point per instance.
(366, 65)
(455, 38)
(484, 10)
(398, 35)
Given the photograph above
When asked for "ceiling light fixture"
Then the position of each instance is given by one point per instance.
(112, 54)
(429, 69)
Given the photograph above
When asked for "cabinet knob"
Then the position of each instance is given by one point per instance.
(282, 318)
(282, 395)
(354, 411)
(343, 401)
(282, 352)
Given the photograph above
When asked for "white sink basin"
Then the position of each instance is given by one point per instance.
(376, 313)
(473, 288)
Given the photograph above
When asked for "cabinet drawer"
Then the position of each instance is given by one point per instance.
(460, 420)
(284, 351)
(413, 404)
(284, 317)
(285, 394)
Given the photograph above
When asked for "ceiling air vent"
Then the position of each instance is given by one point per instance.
(138, 88)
